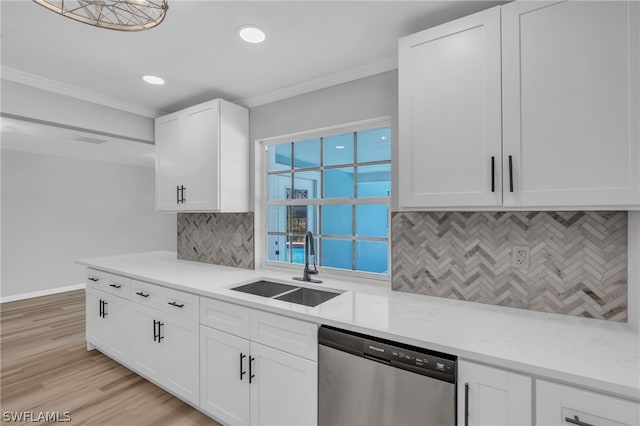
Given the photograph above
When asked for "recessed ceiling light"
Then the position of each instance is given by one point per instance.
(251, 34)
(152, 79)
(339, 146)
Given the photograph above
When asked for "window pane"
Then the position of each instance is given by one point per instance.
(338, 149)
(336, 219)
(371, 256)
(336, 253)
(306, 153)
(338, 183)
(279, 186)
(374, 181)
(374, 145)
(279, 157)
(277, 219)
(371, 220)
(303, 219)
(296, 243)
(277, 248)
(306, 185)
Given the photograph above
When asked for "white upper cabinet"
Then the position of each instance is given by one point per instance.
(202, 159)
(570, 103)
(450, 126)
(549, 90)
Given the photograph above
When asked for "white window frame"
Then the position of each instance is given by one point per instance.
(261, 202)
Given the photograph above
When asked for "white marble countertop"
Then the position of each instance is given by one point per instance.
(600, 355)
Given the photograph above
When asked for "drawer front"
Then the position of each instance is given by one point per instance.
(287, 334)
(565, 405)
(111, 283)
(147, 294)
(180, 304)
(227, 317)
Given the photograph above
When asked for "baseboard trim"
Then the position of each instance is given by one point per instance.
(46, 292)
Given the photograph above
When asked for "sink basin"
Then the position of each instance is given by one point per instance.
(307, 296)
(287, 293)
(265, 288)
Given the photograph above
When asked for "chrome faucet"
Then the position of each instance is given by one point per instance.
(309, 250)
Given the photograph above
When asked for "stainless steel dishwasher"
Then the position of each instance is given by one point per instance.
(368, 381)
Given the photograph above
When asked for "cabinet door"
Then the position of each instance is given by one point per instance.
(97, 328)
(495, 397)
(284, 390)
(570, 93)
(181, 357)
(171, 154)
(224, 376)
(147, 352)
(203, 149)
(450, 130)
(119, 316)
(564, 405)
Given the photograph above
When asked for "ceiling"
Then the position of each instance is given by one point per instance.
(309, 45)
(196, 50)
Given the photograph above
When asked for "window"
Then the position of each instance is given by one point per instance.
(337, 186)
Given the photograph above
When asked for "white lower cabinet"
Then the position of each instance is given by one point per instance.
(492, 397)
(165, 350)
(285, 388)
(108, 324)
(558, 404)
(224, 390)
(244, 382)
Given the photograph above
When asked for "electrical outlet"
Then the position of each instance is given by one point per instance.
(520, 257)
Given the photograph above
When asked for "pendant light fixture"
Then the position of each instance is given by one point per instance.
(121, 15)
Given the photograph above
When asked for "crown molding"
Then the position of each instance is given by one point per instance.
(28, 79)
(387, 64)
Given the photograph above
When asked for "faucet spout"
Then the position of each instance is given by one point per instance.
(309, 250)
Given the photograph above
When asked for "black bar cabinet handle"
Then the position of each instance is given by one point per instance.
(139, 293)
(493, 174)
(251, 375)
(94, 279)
(100, 310)
(182, 190)
(242, 372)
(510, 173)
(576, 421)
(155, 330)
(115, 285)
(177, 194)
(104, 309)
(160, 336)
(176, 304)
(466, 404)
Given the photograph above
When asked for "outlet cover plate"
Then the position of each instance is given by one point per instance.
(520, 257)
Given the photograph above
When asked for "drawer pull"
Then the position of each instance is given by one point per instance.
(576, 421)
(115, 285)
(141, 294)
(177, 305)
(94, 279)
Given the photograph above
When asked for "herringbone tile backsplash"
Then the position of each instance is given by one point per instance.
(218, 238)
(577, 264)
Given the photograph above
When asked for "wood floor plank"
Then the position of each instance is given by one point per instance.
(45, 367)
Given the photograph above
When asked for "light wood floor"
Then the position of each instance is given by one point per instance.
(46, 367)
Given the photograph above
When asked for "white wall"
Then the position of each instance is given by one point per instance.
(57, 209)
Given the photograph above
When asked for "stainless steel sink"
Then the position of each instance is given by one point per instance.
(287, 293)
(265, 288)
(307, 296)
